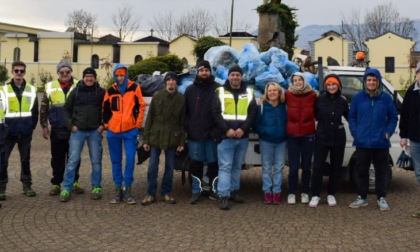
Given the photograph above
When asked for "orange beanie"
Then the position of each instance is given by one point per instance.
(332, 80)
(120, 71)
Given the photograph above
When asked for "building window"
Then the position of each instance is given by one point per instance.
(138, 58)
(389, 64)
(94, 61)
(16, 54)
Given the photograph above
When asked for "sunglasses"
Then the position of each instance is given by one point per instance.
(19, 71)
(65, 72)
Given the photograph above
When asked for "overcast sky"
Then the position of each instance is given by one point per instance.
(50, 14)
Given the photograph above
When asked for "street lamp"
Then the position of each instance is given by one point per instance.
(90, 37)
(231, 23)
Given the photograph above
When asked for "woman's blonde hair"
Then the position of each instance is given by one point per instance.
(279, 89)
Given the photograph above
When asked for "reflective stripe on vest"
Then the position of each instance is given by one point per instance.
(23, 109)
(2, 106)
(56, 94)
(229, 110)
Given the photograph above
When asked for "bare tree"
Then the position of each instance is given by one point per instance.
(221, 24)
(196, 23)
(164, 25)
(83, 21)
(354, 30)
(125, 22)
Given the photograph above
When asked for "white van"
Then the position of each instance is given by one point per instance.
(351, 79)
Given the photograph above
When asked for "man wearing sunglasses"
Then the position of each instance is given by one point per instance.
(21, 116)
(52, 102)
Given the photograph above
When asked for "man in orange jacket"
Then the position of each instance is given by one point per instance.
(123, 112)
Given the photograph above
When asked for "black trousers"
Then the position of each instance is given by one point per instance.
(196, 170)
(379, 158)
(320, 167)
(24, 147)
(59, 156)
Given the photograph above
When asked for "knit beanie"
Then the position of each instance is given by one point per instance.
(170, 75)
(203, 64)
(63, 63)
(235, 68)
(89, 70)
(332, 78)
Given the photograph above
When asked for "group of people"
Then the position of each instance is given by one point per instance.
(215, 121)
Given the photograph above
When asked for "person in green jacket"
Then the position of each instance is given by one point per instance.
(164, 130)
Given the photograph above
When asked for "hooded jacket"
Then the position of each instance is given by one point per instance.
(300, 109)
(123, 105)
(372, 118)
(410, 114)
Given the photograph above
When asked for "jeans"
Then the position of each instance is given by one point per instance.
(231, 154)
(300, 151)
(415, 156)
(24, 147)
(336, 162)
(59, 157)
(202, 152)
(77, 141)
(152, 172)
(379, 158)
(115, 146)
(272, 160)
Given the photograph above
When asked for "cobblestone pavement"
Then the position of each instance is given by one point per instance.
(42, 223)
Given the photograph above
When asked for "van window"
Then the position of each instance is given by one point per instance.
(351, 85)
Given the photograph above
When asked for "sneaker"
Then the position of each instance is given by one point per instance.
(383, 206)
(96, 193)
(169, 199)
(224, 203)
(28, 191)
(128, 197)
(195, 197)
(214, 196)
(118, 196)
(268, 198)
(149, 199)
(3, 193)
(291, 199)
(314, 201)
(331, 200)
(304, 198)
(235, 197)
(65, 195)
(416, 214)
(55, 190)
(77, 188)
(276, 198)
(359, 202)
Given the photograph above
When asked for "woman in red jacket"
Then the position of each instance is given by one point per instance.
(300, 129)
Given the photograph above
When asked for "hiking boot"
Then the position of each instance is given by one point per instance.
(3, 193)
(96, 193)
(77, 188)
(304, 198)
(383, 206)
(235, 197)
(276, 198)
(65, 195)
(359, 202)
(195, 197)
(291, 199)
(169, 199)
(331, 200)
(214, 196)
(55, 190)
(118, 196)
(149, 199)
(128, 197)
(224, 203)
(268, 198)
(314, 201)
(28, 191)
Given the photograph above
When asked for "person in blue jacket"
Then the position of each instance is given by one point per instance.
(372, 120)
(271, 128)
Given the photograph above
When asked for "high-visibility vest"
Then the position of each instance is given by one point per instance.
(15, 108)
(232, 111)
(56, 94)
(2, 106)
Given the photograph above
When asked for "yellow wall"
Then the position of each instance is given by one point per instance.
(183, 47)
(129, 51)
(53, 49)
(391, 45)
(9, 44)
(336, 48)
(238, 43)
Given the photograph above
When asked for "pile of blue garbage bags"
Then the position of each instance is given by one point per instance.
(258, 68)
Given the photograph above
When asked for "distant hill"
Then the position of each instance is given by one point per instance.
(314, 32)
